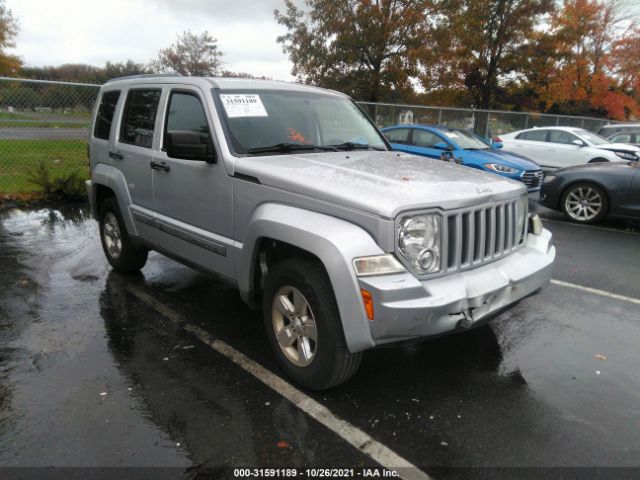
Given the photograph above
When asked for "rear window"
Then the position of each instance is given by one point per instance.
(139, 118)
(104, 118)
(535, 135)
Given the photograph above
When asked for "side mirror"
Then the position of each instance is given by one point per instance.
(497, 145)
(443, 146)
(190, 146)
(579, 143)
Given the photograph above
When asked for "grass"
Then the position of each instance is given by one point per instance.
(19, 158)
(22, 123)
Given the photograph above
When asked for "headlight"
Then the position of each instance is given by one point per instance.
(419, 241)
(627, 156)
(549, 178)
(523, 207)
(377, 265)
(497, 167)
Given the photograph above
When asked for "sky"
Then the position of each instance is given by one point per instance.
(92, 32)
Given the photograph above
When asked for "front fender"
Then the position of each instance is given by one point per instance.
(113, 178)
(335, 242)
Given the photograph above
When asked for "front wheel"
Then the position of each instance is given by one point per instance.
(584, 203)
(303, 325)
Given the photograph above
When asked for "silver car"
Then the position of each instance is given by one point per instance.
(291, 194)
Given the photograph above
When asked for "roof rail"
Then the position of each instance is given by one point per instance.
(144, 75)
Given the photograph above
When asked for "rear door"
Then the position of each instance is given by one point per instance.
(133, 151)
(193, 197)
(531, 144)
(399, 138)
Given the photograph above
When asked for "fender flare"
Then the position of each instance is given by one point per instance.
(334, 241)
(113, 179)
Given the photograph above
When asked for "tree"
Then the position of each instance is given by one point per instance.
(594, 41)
(479, 45)
(365, 48)
(190, 55)
(122, 69)
(9, 64)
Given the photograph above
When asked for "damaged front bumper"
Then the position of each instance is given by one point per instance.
(407, 308)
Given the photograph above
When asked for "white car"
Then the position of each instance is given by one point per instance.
(559, 147)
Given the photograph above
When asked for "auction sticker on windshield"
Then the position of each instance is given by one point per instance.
(243, 106)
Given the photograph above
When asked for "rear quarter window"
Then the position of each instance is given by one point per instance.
(104, 117)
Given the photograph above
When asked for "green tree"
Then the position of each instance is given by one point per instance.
(365, 48)
(480, 46)
(190, 55)
(9, 64)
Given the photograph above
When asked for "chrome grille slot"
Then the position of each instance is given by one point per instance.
(475, 236)
(532, 179)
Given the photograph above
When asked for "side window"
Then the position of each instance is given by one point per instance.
(398, 135)
(422, 138)
(104, 117)
(139, 117)
(621, 138)
(187, 132)
(535, 135)
(560, 136)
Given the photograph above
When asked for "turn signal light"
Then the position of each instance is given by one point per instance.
(368, 302)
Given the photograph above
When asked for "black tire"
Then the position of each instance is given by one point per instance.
(598, 160)
(604, 203)
(131, 257)
(332, 362)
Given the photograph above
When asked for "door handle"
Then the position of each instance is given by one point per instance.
(116, 155)
(159, 166)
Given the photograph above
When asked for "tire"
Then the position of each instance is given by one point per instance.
(320, 364)
(122, 254)
(584, 203)
(598, 160)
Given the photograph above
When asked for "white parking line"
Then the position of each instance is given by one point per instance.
(596, 291)
(382, 454)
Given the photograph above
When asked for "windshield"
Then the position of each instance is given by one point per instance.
(465, 140)
(592, 138)
(272, 121)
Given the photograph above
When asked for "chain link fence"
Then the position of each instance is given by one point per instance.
(44, 126)
(487, 123)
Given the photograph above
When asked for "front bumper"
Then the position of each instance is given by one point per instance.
(407, 308)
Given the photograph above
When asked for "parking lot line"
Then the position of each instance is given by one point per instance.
(377, 451)
(596, 291)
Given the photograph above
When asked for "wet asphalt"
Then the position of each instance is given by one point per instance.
(90, 376)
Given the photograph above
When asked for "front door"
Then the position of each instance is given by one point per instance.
(193, 198)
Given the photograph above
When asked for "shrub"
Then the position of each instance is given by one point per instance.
(64, 187)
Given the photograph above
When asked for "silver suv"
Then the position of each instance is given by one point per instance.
(291, 194)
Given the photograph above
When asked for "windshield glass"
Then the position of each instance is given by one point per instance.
(289, 121)
(465, 140)
(592, 138)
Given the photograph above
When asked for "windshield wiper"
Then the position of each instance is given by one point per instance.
(288, 147)
(354, 146)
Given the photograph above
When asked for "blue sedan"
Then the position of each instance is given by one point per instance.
(466, 148)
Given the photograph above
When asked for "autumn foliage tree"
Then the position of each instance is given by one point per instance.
(594, 44)
(480, 45)
(9, 64)
(366, 48)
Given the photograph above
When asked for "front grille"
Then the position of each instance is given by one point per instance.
(533, 178)
(478, 235)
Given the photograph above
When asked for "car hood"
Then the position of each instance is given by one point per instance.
(498, 156)
(600, 167)
(624, 147)
(381, 183)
